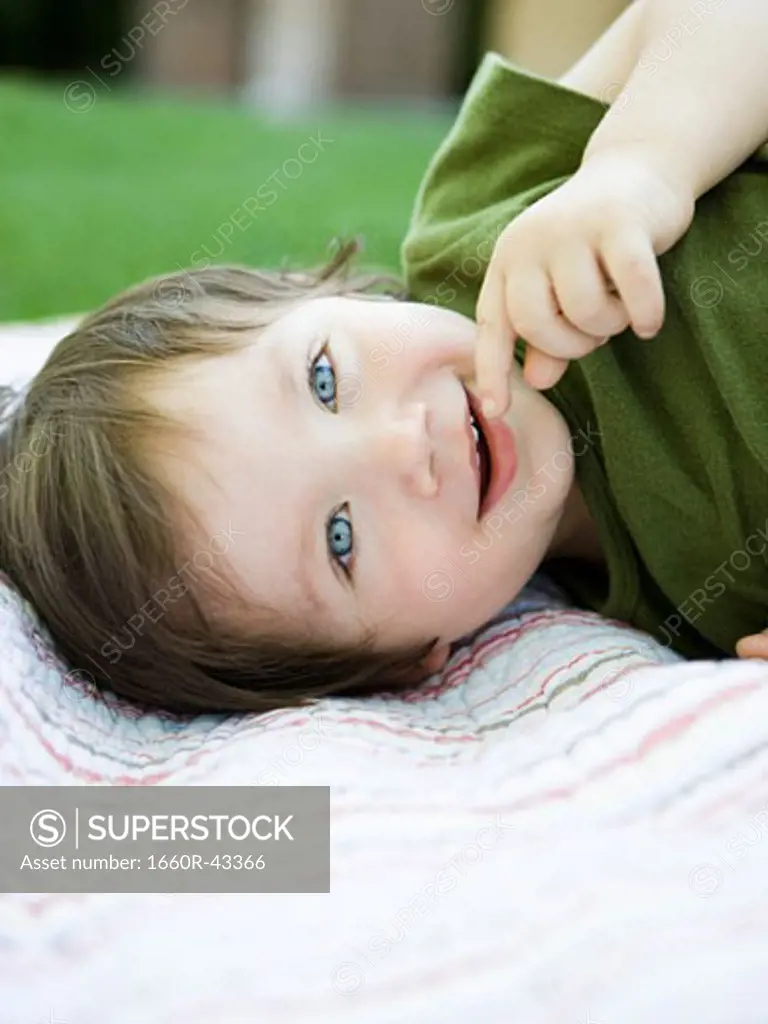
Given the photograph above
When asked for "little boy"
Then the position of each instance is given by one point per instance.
(254, 406)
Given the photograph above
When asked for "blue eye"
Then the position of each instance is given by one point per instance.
(340, 541)
(322, 379)
(321, 375)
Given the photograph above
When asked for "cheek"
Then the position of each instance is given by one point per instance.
(416, 340)
(419, 550)
(388, 351)
(435, 584)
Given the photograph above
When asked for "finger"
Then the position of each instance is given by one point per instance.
(542, 371)
(631, 264)
(535, 315)
(753, 646)
(495, 345)
(583, 294)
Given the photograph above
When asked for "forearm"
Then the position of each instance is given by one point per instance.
(603, 71)
(696, 103)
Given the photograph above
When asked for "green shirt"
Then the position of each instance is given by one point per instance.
(675, 474)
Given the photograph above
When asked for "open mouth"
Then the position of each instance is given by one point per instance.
(482, 451)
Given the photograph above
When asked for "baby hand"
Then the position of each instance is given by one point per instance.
(753, 646)
(575, 268)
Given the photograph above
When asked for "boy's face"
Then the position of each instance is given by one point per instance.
(337, 452)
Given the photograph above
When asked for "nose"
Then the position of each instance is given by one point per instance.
(405, 448)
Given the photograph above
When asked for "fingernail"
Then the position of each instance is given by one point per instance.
(488, 407)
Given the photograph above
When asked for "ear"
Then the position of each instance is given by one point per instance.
(436, 659)
(432, 663)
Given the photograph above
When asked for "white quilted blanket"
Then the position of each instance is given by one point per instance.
(566, 827)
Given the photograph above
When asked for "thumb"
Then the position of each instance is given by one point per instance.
(753, 646)
(541, 370)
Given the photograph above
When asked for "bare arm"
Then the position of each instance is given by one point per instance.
(604, 69)
(695, 104)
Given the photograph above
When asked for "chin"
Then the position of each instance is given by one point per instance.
(545, 450)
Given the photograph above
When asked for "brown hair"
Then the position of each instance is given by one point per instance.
(90, 536)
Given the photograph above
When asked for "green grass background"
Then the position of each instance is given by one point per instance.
(93, 201)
